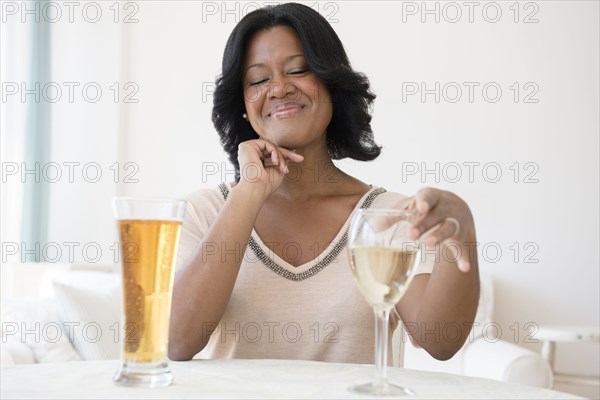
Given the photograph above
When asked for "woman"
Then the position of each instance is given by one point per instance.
(263, 269)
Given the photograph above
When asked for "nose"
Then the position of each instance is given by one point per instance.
(281, 86)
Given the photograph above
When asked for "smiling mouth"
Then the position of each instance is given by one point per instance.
(285, 111)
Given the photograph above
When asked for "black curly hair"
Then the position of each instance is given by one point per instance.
(349, 132)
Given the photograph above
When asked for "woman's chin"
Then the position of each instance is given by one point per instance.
(286, 143)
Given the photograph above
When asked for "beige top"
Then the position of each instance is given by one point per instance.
(279, 311)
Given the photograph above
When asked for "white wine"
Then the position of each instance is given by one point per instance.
(382, 273)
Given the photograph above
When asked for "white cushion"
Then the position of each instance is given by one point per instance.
(90, 309)
(35, 323)
(30, 280)
(6, 359)
(506, 361)
(485, 308)
(15, 352)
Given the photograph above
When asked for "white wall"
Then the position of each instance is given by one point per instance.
(85, 132)
(173, 53)
(11, 144)
(85, 63)
(176, 49)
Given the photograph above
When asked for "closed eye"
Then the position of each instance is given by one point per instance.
(256, 83)
(298, 72)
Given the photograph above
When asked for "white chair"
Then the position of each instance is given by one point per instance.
(481, 356)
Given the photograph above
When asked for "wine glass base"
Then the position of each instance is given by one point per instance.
(140, 375)
(386, 389)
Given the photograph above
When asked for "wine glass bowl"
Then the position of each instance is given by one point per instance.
(383, 259)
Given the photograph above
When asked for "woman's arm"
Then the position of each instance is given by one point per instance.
(203, 287)
(438, 310)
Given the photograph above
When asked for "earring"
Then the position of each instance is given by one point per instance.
(245, 116)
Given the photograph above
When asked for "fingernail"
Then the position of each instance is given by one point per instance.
(414, 233)
(431, 240)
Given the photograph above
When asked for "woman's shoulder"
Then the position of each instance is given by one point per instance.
(390, 199)
(206, 196)
(206, 202)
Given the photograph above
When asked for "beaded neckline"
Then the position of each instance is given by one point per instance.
(320, 265)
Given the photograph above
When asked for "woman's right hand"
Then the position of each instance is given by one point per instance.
(263, 164)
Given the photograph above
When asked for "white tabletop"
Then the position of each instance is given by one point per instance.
(247, 379)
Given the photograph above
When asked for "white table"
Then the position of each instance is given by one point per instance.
(247, 379)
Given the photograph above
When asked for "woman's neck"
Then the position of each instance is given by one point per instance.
(317, 175)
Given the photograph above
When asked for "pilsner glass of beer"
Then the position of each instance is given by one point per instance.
(149, 234)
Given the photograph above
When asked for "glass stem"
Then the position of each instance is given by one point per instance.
(381, 347)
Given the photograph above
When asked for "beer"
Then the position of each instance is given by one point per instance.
(149, 250)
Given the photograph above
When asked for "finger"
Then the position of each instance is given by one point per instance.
(454, 253)
(447, 229)
(282, 161)
(291, 155)
(461, 257)
(286, 156)
(463, 264)
(274, 157)
(426, 199)
(268, 162)
(266, 148)
(425, 223)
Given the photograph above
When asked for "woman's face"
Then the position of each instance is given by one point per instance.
(286, 103)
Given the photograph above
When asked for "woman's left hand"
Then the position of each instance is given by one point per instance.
(453, 222)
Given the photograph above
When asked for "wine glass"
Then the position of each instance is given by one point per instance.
(382, 259)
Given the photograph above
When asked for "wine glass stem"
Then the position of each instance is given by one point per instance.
(381, 346)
